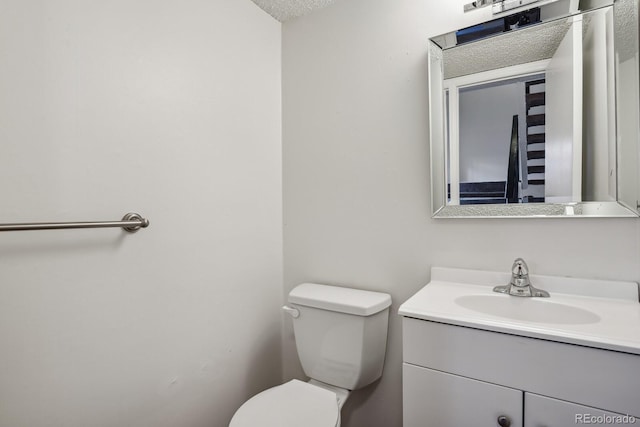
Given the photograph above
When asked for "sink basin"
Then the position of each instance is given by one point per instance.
(537, 310)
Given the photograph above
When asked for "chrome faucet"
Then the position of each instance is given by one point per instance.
(520, 285)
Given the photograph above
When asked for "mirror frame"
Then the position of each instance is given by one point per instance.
(440, 208)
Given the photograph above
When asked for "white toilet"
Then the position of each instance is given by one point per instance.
(341, 337)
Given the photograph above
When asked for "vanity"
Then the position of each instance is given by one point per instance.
(475, 357)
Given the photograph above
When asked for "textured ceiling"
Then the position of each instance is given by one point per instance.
(626, 26)
(283, 10)
(513, 48)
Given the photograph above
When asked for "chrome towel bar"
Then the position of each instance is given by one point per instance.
(131, 222)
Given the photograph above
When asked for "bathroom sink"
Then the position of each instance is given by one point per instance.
(588, 312)
(527, 309)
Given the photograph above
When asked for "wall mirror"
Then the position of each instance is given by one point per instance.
(536, 113)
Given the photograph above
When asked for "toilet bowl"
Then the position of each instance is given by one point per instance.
(293, 404)
(341, 336)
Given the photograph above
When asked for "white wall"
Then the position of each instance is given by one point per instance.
(486, 117)
(356, 179)
(563, 119)
(628, 154)
(599, 159)
(627, 95)
(171, 109)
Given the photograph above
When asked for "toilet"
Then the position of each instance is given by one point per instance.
(341, 338)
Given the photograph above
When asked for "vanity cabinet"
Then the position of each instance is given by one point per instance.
(434, 398)
(455, 376)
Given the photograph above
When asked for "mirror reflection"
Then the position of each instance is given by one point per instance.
(528, 110)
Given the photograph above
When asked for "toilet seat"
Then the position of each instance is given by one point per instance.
(292, 404)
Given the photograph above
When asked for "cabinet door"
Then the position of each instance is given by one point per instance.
(437, 399)
(541, 411)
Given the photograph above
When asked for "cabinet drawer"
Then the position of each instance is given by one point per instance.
(594, 377)
(541, 411)
(438, 399)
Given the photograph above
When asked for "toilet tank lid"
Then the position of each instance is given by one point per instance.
(336, 298)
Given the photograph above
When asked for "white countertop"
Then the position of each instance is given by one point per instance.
(613, 318)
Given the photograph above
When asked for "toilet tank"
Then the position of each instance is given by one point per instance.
(341, 333)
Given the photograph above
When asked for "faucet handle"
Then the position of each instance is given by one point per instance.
(520, 285)
(519, 268)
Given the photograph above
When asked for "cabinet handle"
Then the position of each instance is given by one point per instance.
(504, 421)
